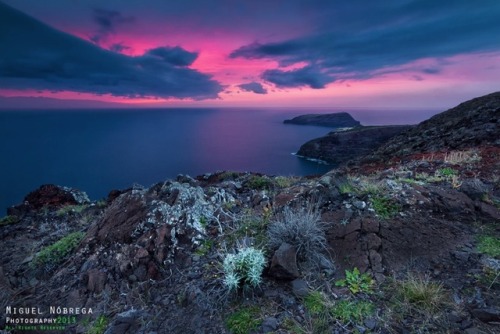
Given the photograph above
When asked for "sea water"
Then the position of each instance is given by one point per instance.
(100, 150)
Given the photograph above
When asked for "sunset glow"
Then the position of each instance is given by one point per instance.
(238, 54)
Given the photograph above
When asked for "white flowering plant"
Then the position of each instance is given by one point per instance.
(243, 268)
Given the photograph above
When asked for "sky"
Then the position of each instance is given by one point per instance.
(259, 53)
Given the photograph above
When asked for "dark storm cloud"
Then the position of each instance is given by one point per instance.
(380, 36)
(36, 56)
(306, 76)
(254, 87)
(174, 55)
(108, 20)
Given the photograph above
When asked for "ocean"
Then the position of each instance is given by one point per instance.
(100, 150)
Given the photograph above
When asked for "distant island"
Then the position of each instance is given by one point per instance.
(334, 120)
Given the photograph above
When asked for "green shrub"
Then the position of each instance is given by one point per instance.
(357, 282)
(244, 321)
(57, 252)
(243, 268)
(259, 182)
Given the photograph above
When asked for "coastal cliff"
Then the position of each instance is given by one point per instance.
(394, 244)
(341, 146)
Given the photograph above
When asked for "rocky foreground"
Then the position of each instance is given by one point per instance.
(405, 244)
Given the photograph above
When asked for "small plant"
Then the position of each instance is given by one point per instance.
(244, 321)
(283, 182)
(419, 293)
(384, 207)
(243, 268)
(347, 188)
(259, 182)
(7, 220)
(205, 247)
(447, 172)
(302, 229)
(357, 282)
(457, 157)
(489, 245)
(352, 311)
(99, 326)
(315, 302)
(318, 308)
(57, 252)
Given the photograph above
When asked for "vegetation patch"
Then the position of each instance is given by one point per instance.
(357, 282)
(384, 207)
(283, 181)
(489, 245)
(7, 220)
(57, 252)
(244, 321)
(352, 311)
(259, 182)
(70, 209)
(99, 325)
(318, 308)
(459, 157)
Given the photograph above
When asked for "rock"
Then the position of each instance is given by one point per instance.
(340, 147)
(473, 330)
(487, 314)
(335, 120)
(474, 188)
(284, 263)
(49, 195)
(128, 322)
(96, 280)
(300, 288)
(370, 323)
(359, 204)
(269, 325)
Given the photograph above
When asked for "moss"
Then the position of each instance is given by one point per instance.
(57, 252)
(244, 321)
(489, 245)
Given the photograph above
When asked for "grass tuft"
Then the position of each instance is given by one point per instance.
(302, 229)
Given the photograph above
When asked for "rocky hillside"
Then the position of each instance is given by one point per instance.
(401, 246)
(341, 146)
(334, 120)
(470, 124)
